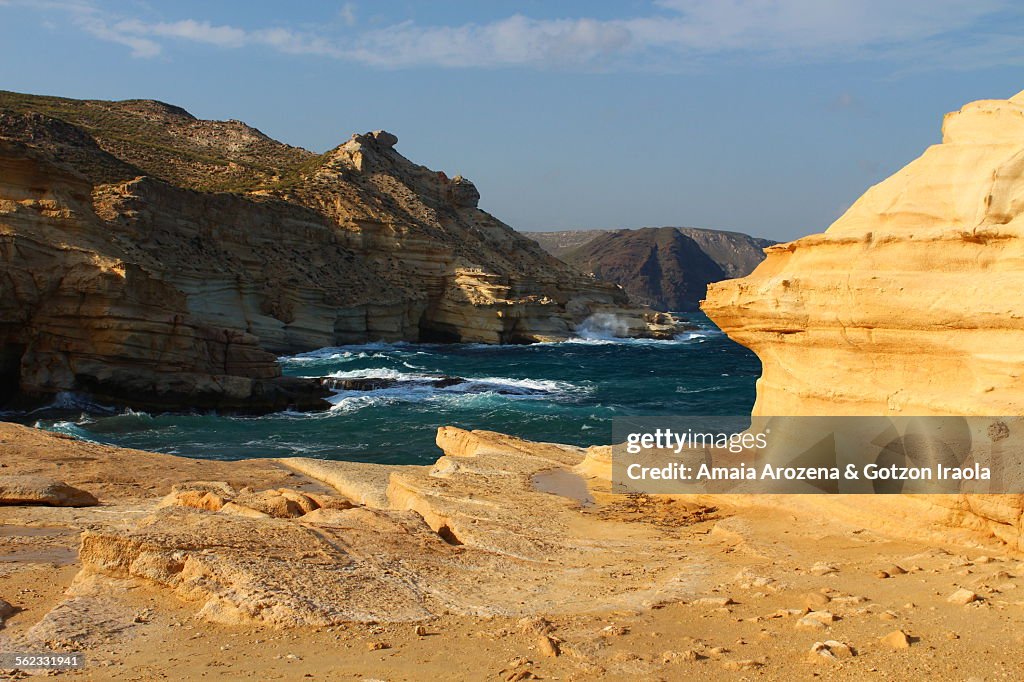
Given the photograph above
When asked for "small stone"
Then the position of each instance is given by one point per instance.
(420, 631)
(823, 616)
(839, 649)
(540, 626)
(808, 624)
(897, 639)
(40, 490)
(983, 560)
(822, 568)
(6, 610)
(614, 630)
(963, 597)
(719, 602)
(717, 652)
(820, 651)
(547, 646)
(785, 613)
(377, 646)
(895, 570)
(815, 600)
(744, 664)
(882, 575)
(888, 615)
(952, 635)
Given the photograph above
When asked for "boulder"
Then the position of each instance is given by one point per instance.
(44, 491)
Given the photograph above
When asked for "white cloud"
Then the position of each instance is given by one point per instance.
(347, 14)
(673, 34)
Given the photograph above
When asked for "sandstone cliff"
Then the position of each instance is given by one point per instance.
(667, 268)
(908, 304)
(153, 258)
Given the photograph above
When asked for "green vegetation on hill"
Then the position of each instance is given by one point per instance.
(168, 142)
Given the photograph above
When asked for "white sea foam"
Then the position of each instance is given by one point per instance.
(67, 400)
(418, 387)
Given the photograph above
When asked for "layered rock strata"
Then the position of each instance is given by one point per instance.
(909, 303)
(124, 273)
(667, 268)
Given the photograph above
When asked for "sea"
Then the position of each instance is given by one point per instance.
(566, 392)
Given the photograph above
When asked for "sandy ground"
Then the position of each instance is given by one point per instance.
(742, 622)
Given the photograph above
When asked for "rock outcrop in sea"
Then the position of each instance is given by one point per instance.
(151, 258)
(909, 304)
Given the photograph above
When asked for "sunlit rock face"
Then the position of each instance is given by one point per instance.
(151, 258)
(909, 303)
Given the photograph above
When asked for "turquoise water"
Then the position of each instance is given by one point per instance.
(563, 392)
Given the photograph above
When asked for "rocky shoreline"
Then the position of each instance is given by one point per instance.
(150, 258)
(258, 565)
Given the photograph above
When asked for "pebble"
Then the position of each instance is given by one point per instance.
(547, 646)
(839, 649)
(963, 597)
(832, 650)
(615, 630)
(714, 601)
(822, 568)
(895, 570)
(377, 646)
(814, 600)
(806, 623)
(888, 615)
(420, 631)
(897, 639)
(539, 626)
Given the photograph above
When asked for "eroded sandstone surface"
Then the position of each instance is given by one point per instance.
(908, 305)
(505, 559)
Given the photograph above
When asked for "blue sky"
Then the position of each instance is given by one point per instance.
(764, 116)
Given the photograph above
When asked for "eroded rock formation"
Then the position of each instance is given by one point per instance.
(908, 304)
(152, 258)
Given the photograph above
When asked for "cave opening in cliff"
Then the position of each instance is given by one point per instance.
(10, 371)
(432, 333)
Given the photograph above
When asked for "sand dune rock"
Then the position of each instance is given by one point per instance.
(41, 490)
(908, 304)
(469, 535)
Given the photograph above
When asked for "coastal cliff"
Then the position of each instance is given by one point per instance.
(155, 259)
(667, 268)
(907, 305)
